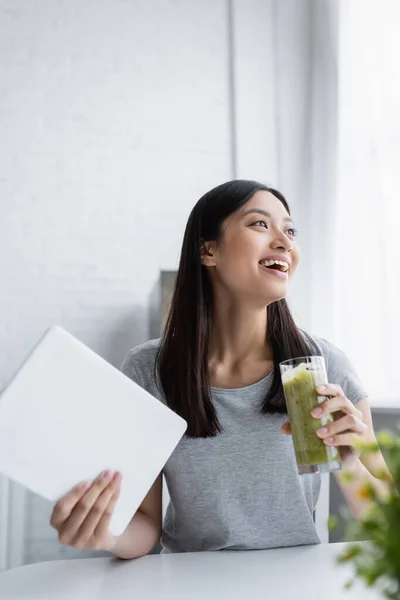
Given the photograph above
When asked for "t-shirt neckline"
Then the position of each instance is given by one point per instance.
(245, 387)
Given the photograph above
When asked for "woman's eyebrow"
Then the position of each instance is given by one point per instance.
(265, 213)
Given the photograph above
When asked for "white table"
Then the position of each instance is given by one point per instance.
(306, 573)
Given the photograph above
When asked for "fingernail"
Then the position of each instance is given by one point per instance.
(118, 477)
(329, 440)
(107, 475)
(322, 431)
(84, 486)
(316, 412)
(321, 388)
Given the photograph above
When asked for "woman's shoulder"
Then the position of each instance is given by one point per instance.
(323, 347)
(320, 346)
(139, 364)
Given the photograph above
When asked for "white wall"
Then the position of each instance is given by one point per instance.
(115, 120)
(116, 117)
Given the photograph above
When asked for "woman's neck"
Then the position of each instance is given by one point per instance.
(238, 333)
(239, 352)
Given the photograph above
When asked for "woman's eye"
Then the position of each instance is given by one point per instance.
(292, 232)
(260, 223)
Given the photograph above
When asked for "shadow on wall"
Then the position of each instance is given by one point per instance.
(123, 334)
(159, 302)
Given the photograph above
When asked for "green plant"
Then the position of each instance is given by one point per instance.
(377, 562)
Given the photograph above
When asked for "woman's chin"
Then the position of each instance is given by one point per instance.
(277, 298)
(265, 297)
(274, 293)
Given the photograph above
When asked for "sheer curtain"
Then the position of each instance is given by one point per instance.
(367, 207)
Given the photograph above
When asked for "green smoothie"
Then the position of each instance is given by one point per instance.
(299, 384)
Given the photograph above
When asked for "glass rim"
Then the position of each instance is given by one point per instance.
(301, 358)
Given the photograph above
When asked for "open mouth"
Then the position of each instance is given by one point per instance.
(275, 265)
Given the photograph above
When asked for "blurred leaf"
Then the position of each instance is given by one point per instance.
(367, 447)
(385, 438)
(377, 562)
(385, 476)
(350, 552)
(349, 584)
(332, 523)
(346, 477)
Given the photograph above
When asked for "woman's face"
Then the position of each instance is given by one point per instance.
(253, 238)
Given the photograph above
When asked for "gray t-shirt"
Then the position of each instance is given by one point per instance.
(240, 490)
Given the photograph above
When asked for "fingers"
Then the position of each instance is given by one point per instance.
(68, 529)
(349, 424)
(330, 389)
(338, 402)
(344, 439)
(65, 505)
(101, 511)
(104, 523)
(285, 428)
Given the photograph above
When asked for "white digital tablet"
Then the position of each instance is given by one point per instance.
(68, 414)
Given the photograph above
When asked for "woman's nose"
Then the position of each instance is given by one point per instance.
(282, 242)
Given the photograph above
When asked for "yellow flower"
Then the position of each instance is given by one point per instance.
(365, 492)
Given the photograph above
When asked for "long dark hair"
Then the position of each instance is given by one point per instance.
(182, 359)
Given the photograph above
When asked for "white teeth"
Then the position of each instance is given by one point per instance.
(269, 263)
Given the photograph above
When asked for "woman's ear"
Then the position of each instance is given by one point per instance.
(207, 254)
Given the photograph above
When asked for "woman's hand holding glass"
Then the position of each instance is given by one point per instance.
(347, 427)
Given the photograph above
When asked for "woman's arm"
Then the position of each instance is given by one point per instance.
(374, 462)
(144, 530)
(368, 468)
(354, 490)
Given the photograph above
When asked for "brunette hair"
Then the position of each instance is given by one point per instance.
(182, 358)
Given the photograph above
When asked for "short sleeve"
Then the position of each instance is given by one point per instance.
(129, 369)
(341, 372)
(139, 365)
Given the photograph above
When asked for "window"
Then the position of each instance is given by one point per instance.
(367, 219)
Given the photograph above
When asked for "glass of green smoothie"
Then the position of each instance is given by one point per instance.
(300, 378)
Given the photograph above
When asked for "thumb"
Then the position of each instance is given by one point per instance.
(286, 428)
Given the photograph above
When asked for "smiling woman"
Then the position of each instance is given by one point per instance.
(232, 480)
